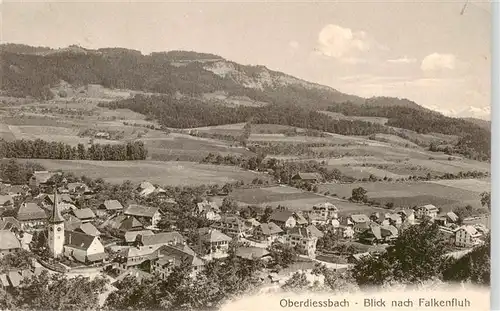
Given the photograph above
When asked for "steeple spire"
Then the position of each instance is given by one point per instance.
(55, 216)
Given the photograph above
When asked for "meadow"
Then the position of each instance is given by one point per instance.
(162, 173)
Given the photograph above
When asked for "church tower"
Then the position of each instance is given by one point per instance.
(56, 230)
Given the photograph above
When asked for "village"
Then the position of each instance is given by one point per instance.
(121, 241)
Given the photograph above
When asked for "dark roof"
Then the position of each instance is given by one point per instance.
(78, 240)
(112, 205)
(8, 240)
(84, 213)
(130, 236)
(7, 223)
(55, 215)
(130, 223)
(177, 254)
(141, 210)
(162, 238)
(270, 228)
(281, 216)
(30, 211)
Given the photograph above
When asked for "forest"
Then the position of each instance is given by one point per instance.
(41, 149)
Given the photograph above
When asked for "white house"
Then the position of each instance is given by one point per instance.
(467, 236)
(428, 210)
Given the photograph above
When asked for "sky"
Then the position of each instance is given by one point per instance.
(435, 53)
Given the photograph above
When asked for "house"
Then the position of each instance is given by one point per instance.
(326, 210)
(376, 234)
(209, 210)
(232, 226)
(171, 256)
(213, 243)
(139, 275)
(40, 178)
(128, 224)
(77, 188)
(304, 239)
(428, 210)
(83, 247)
(9, 243)
(87, 228)
(13, 190)
(268, 233)
(467, 236)
(131, 236)
(159, 239)
(150, 214)
(347, 232)
(356, 258)
(452, 217)
(308, 177)
(109, 206)
(84, 214)
(284, 218)
(252, 253)
(102, 135)
(30, 215)
(134, 256)
(408, 216)
(146, 188)
(393, 219)
(6, 201)
(10, 223)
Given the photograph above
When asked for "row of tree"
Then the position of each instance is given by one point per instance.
(41, 149)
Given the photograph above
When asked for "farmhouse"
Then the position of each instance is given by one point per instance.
(378, 234)
(287, 219)
(40, 178)
(9, 243)
(304, 237)
(146, 188)
(83, 247)
(213, 243)
(10, 223)
(267, 233)
(109, 206)
(307, 177)
(452, 217)
(467, 236)
(84, 214)
(252, 253)
(131, 236)
(428, 210)
(30, 215)
(87, 228)
(232, 226)
(209, 210)
(408, 216)
(131, 257)
(102, 135)
(160, 239)
(77, 187)
(326, 210)
(150, 214)
(171, 256)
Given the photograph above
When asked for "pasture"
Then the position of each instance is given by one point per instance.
(294, 199)
(409, 194)
(162, 173)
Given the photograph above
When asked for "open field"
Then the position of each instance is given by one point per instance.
(410, 194)
(340, 116)
(163, 173)
(474, 185)
(294, 199)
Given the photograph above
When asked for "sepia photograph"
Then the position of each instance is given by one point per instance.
(234, 156)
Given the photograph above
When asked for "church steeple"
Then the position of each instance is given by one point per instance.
(55, 216)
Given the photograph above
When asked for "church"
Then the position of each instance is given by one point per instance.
(74, 245)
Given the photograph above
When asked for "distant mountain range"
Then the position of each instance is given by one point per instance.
(206, 89)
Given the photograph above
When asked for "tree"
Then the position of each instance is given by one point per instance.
(229, 205)
(298, 282)
(268, 211)
(474, 266)
(415, 256)
(486, 199)
(56, 292)
(359, 195)
(19, 260)
(463, 212)
(282, 255)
